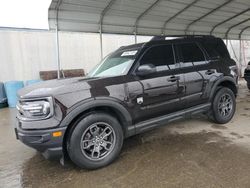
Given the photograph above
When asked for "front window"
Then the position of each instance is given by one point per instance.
(162, 57)
(116, 64)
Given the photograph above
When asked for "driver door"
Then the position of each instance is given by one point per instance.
(163, 88)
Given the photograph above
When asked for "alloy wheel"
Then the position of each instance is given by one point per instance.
(225, 105)
(98, 141)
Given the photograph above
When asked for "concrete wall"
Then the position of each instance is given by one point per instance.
(24, 53)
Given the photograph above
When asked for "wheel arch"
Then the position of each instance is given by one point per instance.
(228, 82)
(98, 105)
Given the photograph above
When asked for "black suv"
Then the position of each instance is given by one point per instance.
(134, 89)
(247, 75)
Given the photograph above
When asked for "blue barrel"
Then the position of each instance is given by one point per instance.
(11, 89)
(29, 82)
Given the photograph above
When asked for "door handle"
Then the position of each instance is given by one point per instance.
(209, 72)
(173, 78)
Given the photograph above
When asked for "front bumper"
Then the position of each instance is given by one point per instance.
(43, 140)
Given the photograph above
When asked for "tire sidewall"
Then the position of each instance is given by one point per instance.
(217, 117)
(74, 146)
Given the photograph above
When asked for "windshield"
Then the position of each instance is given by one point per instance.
(116, 64)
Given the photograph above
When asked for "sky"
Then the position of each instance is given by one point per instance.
(24, 13)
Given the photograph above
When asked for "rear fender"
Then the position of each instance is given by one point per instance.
(220, 82)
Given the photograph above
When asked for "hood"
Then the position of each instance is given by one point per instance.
(55, 87)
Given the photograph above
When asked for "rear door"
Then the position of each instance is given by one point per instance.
(194, 67)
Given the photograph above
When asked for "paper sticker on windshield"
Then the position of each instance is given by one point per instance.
(129, 53)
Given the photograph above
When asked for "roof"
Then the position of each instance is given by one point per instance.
(159, 40)
(223, 18)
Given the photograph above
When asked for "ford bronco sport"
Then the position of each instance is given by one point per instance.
(134, 89)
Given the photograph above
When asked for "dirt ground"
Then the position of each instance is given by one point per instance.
(188, 153)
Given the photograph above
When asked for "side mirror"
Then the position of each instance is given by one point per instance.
(249, 63)
(146, 69)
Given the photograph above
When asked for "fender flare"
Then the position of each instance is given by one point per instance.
(101, 102)
(218, 82)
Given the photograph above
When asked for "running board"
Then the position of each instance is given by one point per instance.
(163, 120)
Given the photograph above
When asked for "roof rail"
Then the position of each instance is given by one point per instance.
(163, 37)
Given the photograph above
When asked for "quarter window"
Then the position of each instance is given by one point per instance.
(161, 57)
(216, 48)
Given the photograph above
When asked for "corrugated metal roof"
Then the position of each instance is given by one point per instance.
(223, 18)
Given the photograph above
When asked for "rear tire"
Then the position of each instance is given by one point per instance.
(223, 106)
(96, 141)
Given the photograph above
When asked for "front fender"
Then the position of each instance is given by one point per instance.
(100, 102)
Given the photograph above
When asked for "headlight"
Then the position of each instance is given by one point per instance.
(35, 109)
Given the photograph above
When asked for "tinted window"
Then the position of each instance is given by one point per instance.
(160, 56)
(191, 54)
(216, 48)
(211, 49)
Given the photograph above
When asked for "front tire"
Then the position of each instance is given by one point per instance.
(96, 141)
(223, 106)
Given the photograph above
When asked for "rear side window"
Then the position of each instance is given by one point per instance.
(191, 54)
(161, 57)
(216, 48)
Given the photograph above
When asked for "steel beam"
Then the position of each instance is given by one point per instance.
(141, 16)
(207, 14)
(135, 37)
(103, 13)
(241, 32)
(175, 15)
(236, 15)
(235, 25)
(57, 40)
(240, 59)
(105, 10)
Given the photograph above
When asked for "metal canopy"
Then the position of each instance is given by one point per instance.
(223, 18)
